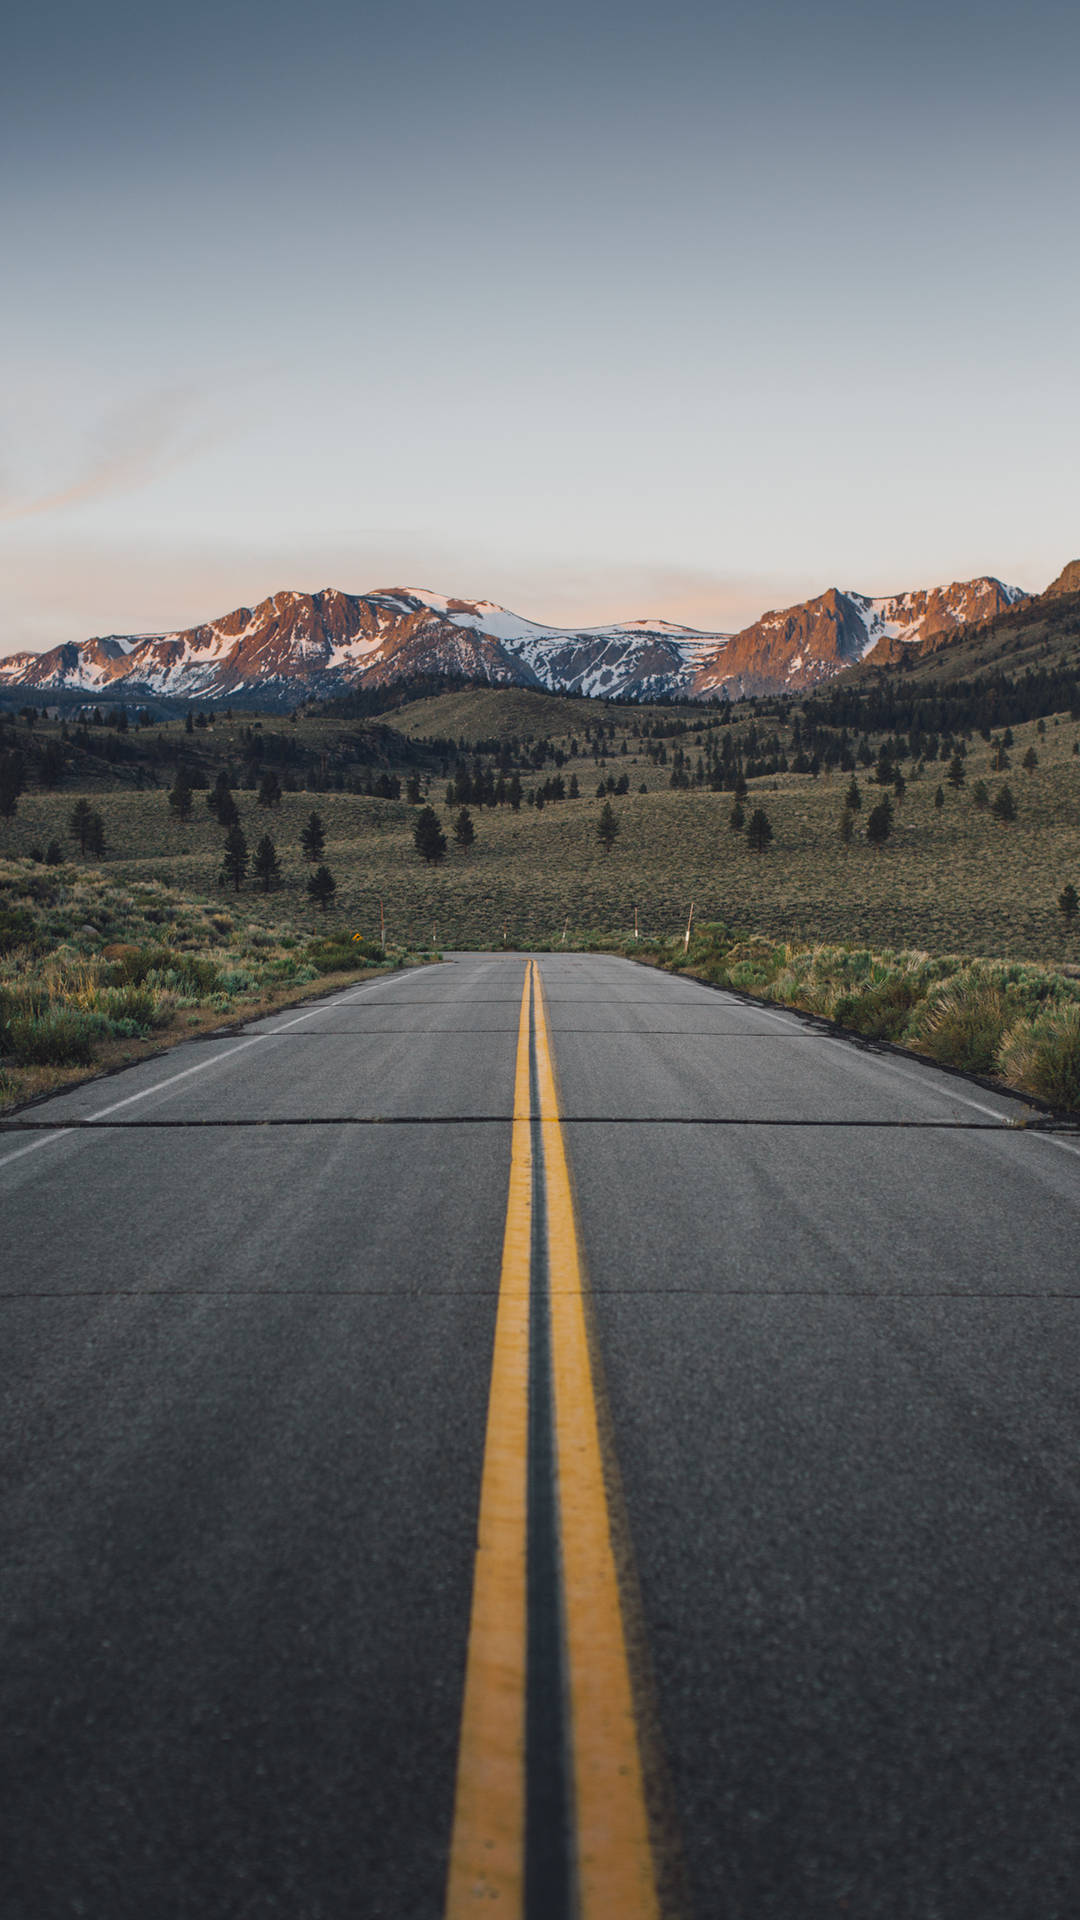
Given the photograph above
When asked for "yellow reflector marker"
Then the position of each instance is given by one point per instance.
(487, 1851)
(615, 1870)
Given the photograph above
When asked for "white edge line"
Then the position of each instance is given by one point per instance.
(159, 1086)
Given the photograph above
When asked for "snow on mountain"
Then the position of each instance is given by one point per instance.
(299, 646)
(801, 645)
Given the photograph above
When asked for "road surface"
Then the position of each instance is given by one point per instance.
(751, 1357)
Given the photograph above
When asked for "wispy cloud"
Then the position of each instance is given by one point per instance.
(134, 444)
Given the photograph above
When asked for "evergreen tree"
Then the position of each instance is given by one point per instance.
(1030, 760)
(759, 832)
(265, 864)
(95, 834)
(853, 797)
(737, 817)
(429, 838)
(322, 886)
(879, 822)
(1004, 806)
(607, 827)
(514, 794)
(957, 771)
(180, 794)
(1069, 902)
(980, 794)
(269, 794)
(939, 798)
(79, 824)
(313, 837)
(11, 782)
(218, 792)
(234, 859)
(847, 825)
(464, 831)
(228, 812)
(412, 790)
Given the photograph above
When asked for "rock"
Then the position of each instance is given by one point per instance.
(1068, 580)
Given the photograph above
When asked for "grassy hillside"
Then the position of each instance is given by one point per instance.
(952, 878)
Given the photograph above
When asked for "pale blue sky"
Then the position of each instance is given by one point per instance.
(598, 311)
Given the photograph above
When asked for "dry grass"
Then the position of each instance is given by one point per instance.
(94, 974)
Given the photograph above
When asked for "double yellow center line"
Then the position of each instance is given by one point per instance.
(547, 1689)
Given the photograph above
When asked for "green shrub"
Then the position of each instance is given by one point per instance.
(1045, 1059)
(16, 929)
(58, 1037)
(134, 1007)
(965, 1026)
(883, 1012)
(341, 956)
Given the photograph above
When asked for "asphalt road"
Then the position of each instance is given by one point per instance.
(248, 1314)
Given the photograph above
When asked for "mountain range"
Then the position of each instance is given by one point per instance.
(296, 647)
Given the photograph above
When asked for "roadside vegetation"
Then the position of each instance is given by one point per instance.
(883, 816)
(1007, 1021)
(94, 973)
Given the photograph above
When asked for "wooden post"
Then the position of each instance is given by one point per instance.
(689, 924)
(382, 926)
(566, 923)
(635, 924)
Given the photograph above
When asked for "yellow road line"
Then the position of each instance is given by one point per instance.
(487, 1850)
(616, 1874)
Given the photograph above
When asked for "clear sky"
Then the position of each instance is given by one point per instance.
(595, 309)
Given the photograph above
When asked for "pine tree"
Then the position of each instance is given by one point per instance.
(228, 812)
(269, 794)
(313, 837)
(429, 838)
(180, 794)
(737, 817)
(11, 782)
(980, 794)
(847, 825)
(957, 771)
(853, 797)
(1030, 760)
(1004, 806)
(265, 864)
(79, 824)
(759, 832)
(234, 859)
(879, 822)
(218, 791)
(464, 831)
(607, 827)
(514, 794)
(939, 798)
(95, 834)
(1069, 902)
(322, 886)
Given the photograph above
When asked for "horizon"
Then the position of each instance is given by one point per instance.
(597, 309)
(464, 602)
